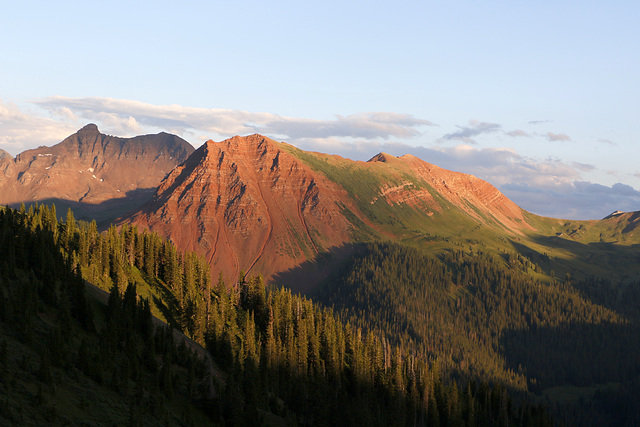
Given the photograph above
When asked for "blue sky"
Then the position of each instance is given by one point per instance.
(539, 98)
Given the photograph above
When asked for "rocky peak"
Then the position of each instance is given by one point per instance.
(245, 203)
(90, 129)
(383, 158)
(89, 168)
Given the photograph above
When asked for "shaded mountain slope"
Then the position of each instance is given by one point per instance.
(95, 174)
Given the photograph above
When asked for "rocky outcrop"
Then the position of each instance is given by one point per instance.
(89, 169)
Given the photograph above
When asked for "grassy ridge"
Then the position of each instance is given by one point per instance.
(603, 248)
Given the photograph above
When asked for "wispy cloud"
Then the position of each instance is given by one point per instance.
(584, 167)
(517, 133)
(20, 130)
(558, 136)
(475, 128)
(538, 122)
(608, 142)
(367, 126)
(130, 116)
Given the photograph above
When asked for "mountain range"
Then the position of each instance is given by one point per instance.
(255, 205)
(406, 273)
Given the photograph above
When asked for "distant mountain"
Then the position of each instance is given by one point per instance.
(99, 176)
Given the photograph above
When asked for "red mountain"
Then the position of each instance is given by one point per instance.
(248, 204)
(253, 204)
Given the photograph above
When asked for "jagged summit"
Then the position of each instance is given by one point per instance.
(89, 168)
(89, 128)
(383, 158)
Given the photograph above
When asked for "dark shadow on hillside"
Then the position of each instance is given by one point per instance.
(577, 354)
(633, 222)
(167, 304)
(103, 213)
(306, 277)
(602, 259)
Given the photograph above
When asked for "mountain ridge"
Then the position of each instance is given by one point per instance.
(90, 171)
(253, 204)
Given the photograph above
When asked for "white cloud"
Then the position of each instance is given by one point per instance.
(367, 125)
(179, 119)
(20, 131)
(577, 200)
(129, 117)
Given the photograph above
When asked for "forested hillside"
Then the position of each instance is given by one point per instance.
(277, 358)
(68, 359)
(485, 316)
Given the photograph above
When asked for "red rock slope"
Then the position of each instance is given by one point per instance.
(477, 198)
(246, 204)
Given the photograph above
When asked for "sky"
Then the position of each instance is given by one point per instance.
(541, 99)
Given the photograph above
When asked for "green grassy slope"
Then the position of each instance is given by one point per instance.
(605, 248)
